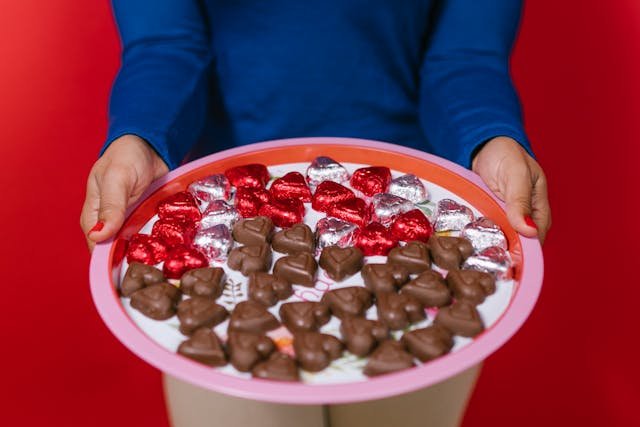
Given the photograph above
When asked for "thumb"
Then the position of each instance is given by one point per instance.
(114, 194)
(517, 196)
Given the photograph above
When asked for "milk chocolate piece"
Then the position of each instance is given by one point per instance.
(390, 356)
(197, 312)
(298, 238)
(362, 335)
(304, 315)
(204, 282)
(384, 277)
(279, 367)
(449, 252)
(315, 351)
(248, 259)
(340, 263)
(204, 346)
(157, 301)
(429, 288)
(460, 318)
(246, 349)
(428, 343)
(398, 311)
(414, 256)
(253, 231)
(299, 269)
(251, 316)
(267, 289)
(350, 301)
(472, 286)
(138, 276)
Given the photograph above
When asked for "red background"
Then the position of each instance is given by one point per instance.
(576, 65)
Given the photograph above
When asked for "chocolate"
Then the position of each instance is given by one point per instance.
(315, 351)
(452, 216)
(283, 213)
(219, 212)
(460, 318)
(362, 335)
(157, 301)
(414, 256)
(334, 232)
(214, 242)
(384, 277)
(253, 175)
(328, 194)
(249, 200)
(371, 180)
(246, 349)
(349, 301)
(340, 263)
(251, 316)
(210, 188)
(253, 231)
(279, 367)
(412, 225)
(409, 187)
(297, 269)
(471, 286)
(204, 282)
(204, 346)
(484, 233)
(375, 239)
(398, 311)
(182, 259)
(138, 276)
(290, 186)
(298, 238)
(326, 169)
(355, 211)
(390, 356)
(267, 289)
(492, 260)
(386, 207)
(181, 205)
(449, 252)
(429, 288)
(174, 231)
(146, 249)
(197, 312)
(428, 343)
(304, 315)
(249, 259)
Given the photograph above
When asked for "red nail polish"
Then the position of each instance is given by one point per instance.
(530, 222)
(99, 226)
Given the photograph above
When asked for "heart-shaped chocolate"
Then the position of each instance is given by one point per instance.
(267, 289)
(390, 356)
(340, 263)
(181, 259)
(204, 346)
(253, 175)
(181, 205)
(326, 169)
(428, 343)
(283, 213)
(349, 301)
(471, 286)
(315, 351)
(429, 288)
(248, 259)
(138, 276)
(449, 252)
(362, 335)
(246, 349)
(328, 193)
(371, 180)
(251, 316)
(297, 269)
(384, 277)
(291, 186)
(298, 238)
(412, 225)
(197, 312)
(375, 239)
(253, 231)
(398, 311)
(414, 256)
(205, 282)
(279, 367)
(249, 200)
(460, 318)
(304, 315)
(157, 301)
(355, 211)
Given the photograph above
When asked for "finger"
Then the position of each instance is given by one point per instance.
(518, 189)
(541, 210)
(114, 194)
(89, 213)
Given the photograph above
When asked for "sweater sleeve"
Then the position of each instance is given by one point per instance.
(466, 93)
(160, 92)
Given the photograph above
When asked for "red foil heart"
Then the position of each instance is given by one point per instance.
(180, 205)
(283, 213)
(248, 200)
(412, 225)
(291, 186)
(328, 193)
(253, 175)
(172, 231)
(375, 239)
(182, 259)
(146, 249)
(371, 180)
(355, 211)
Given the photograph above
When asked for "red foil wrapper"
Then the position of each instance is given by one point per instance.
(283, 213)
(375, 239)
(371, 180)
(248, 200)
(291, 186)
(412, 225)
(253, 175)
(182, 259)
(146, 249)
(181, 205)
(355, 211)
(329, 193)
(172, 231)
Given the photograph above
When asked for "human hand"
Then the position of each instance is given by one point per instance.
(518, 180)
(117, 180)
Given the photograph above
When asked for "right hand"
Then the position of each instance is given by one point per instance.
(116, 181)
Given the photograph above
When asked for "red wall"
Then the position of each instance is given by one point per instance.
(576, 65)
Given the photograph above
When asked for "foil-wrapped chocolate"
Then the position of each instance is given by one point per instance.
(386, 207)
(210, 188)
(494, 260)
(214, 242)
(484, 233)
(326, 169)
(409, 187)
(219, 212)
(452, 216)
(334, 232)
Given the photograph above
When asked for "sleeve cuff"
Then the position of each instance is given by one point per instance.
(156, 140)
(474, 141)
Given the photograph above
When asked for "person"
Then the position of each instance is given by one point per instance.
(199, 76)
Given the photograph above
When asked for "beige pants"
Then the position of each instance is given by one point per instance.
(441, 405)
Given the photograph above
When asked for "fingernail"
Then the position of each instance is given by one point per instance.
(99, 226)
(530, 222)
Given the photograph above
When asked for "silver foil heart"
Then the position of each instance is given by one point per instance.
(484, 233)
(326, 169)
(219, 212)
(494, 260)
(210, 188)
(333, 231)
(452, 216)
(215, 242)
(386, 207)
(409, 187)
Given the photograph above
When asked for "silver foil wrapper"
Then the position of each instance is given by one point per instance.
(484, 233)
(409, 187)
(333, 231)
(452, 216)
(494, 260)
(326, 169)
(215, 242)
(219, 212)
(385, 207)
(213, 187)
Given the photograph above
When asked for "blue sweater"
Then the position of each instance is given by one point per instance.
(202, 76)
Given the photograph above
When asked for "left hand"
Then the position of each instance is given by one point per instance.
(518, 180)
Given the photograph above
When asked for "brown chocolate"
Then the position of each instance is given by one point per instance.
(429, 288)
(298, 238)
(204, 282)
(414, 256)
(299, 269)
(157, 301)
(268, 289)
(449, 252)
(428, 343)
(470, 285)
(197, 312)
(349, 301)
(398, 311)
(390, 356)
(248, 259)
(251, 316)
(254, 231)
(362, 335)
(246, 349)
(204, 346)
(138, 276)
(315, 351)
(279, 367)
(460, 318)
(340, 263)
(304, 315)
(384, 277)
